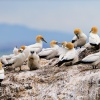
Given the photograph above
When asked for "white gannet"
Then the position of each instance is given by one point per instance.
(33, 61)
(19, 59)
(63, 50)
(79, 39)
(94, 39)
(93, 59)
(37, 47)
(1, 73)
(49, 53)
(6, 58)
(15, 50)
(70, 56)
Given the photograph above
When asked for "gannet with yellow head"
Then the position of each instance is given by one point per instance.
(37, 47)
(18, 60)
(1, 73)
(94, 39)
(70, 56)
(5, 58)
(49, 53)
(79, 39)
(63, 50)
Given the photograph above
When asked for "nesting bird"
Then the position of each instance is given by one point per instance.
(18, 60)
(70, 56)
(37, 47)
(63, 50)
(1, 73)
(79, 39)
(94, 39)
(33, 61)
(5, 58)
(93, 59)
(49, 53)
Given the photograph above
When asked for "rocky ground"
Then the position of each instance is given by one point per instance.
(77, 82)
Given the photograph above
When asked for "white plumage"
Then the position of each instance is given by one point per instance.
(19, 59)
(37, 47)
(70, 56)
(15, 50)
(80, 39)
(49, 53)
(1, 71)
(94, 39)
(94, 59)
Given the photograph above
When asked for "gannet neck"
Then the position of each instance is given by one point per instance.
(0, 66)
(40, 41)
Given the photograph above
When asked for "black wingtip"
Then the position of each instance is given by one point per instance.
(73, 41)
(10, 64)
(79, 62)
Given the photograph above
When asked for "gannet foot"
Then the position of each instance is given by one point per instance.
(94, 67)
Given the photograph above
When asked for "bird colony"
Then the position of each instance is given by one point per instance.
(66, 52)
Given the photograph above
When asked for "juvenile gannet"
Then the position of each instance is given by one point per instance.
(33, 61)
(15, 50)
(19, 59)
(1, 73)
(49, 53)
(94, 39)
(70, 56)
(79, 39)
(37, 47)
(93, 59)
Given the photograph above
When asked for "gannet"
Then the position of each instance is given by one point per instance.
(94, 39)
(15, 50)
(33, 61)
(1, 73)
(19, 59)
(63, 50)
(37, 47)
(79, 39)
(70, 56)
(6, 58)
(49, 53)
(93, 59)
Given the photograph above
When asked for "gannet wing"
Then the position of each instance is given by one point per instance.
(91, 58)
(69, 55)
(45, 52)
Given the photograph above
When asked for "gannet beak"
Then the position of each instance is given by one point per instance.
(77, 36)
(90, 31)
(44, 40)
(58, 43)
